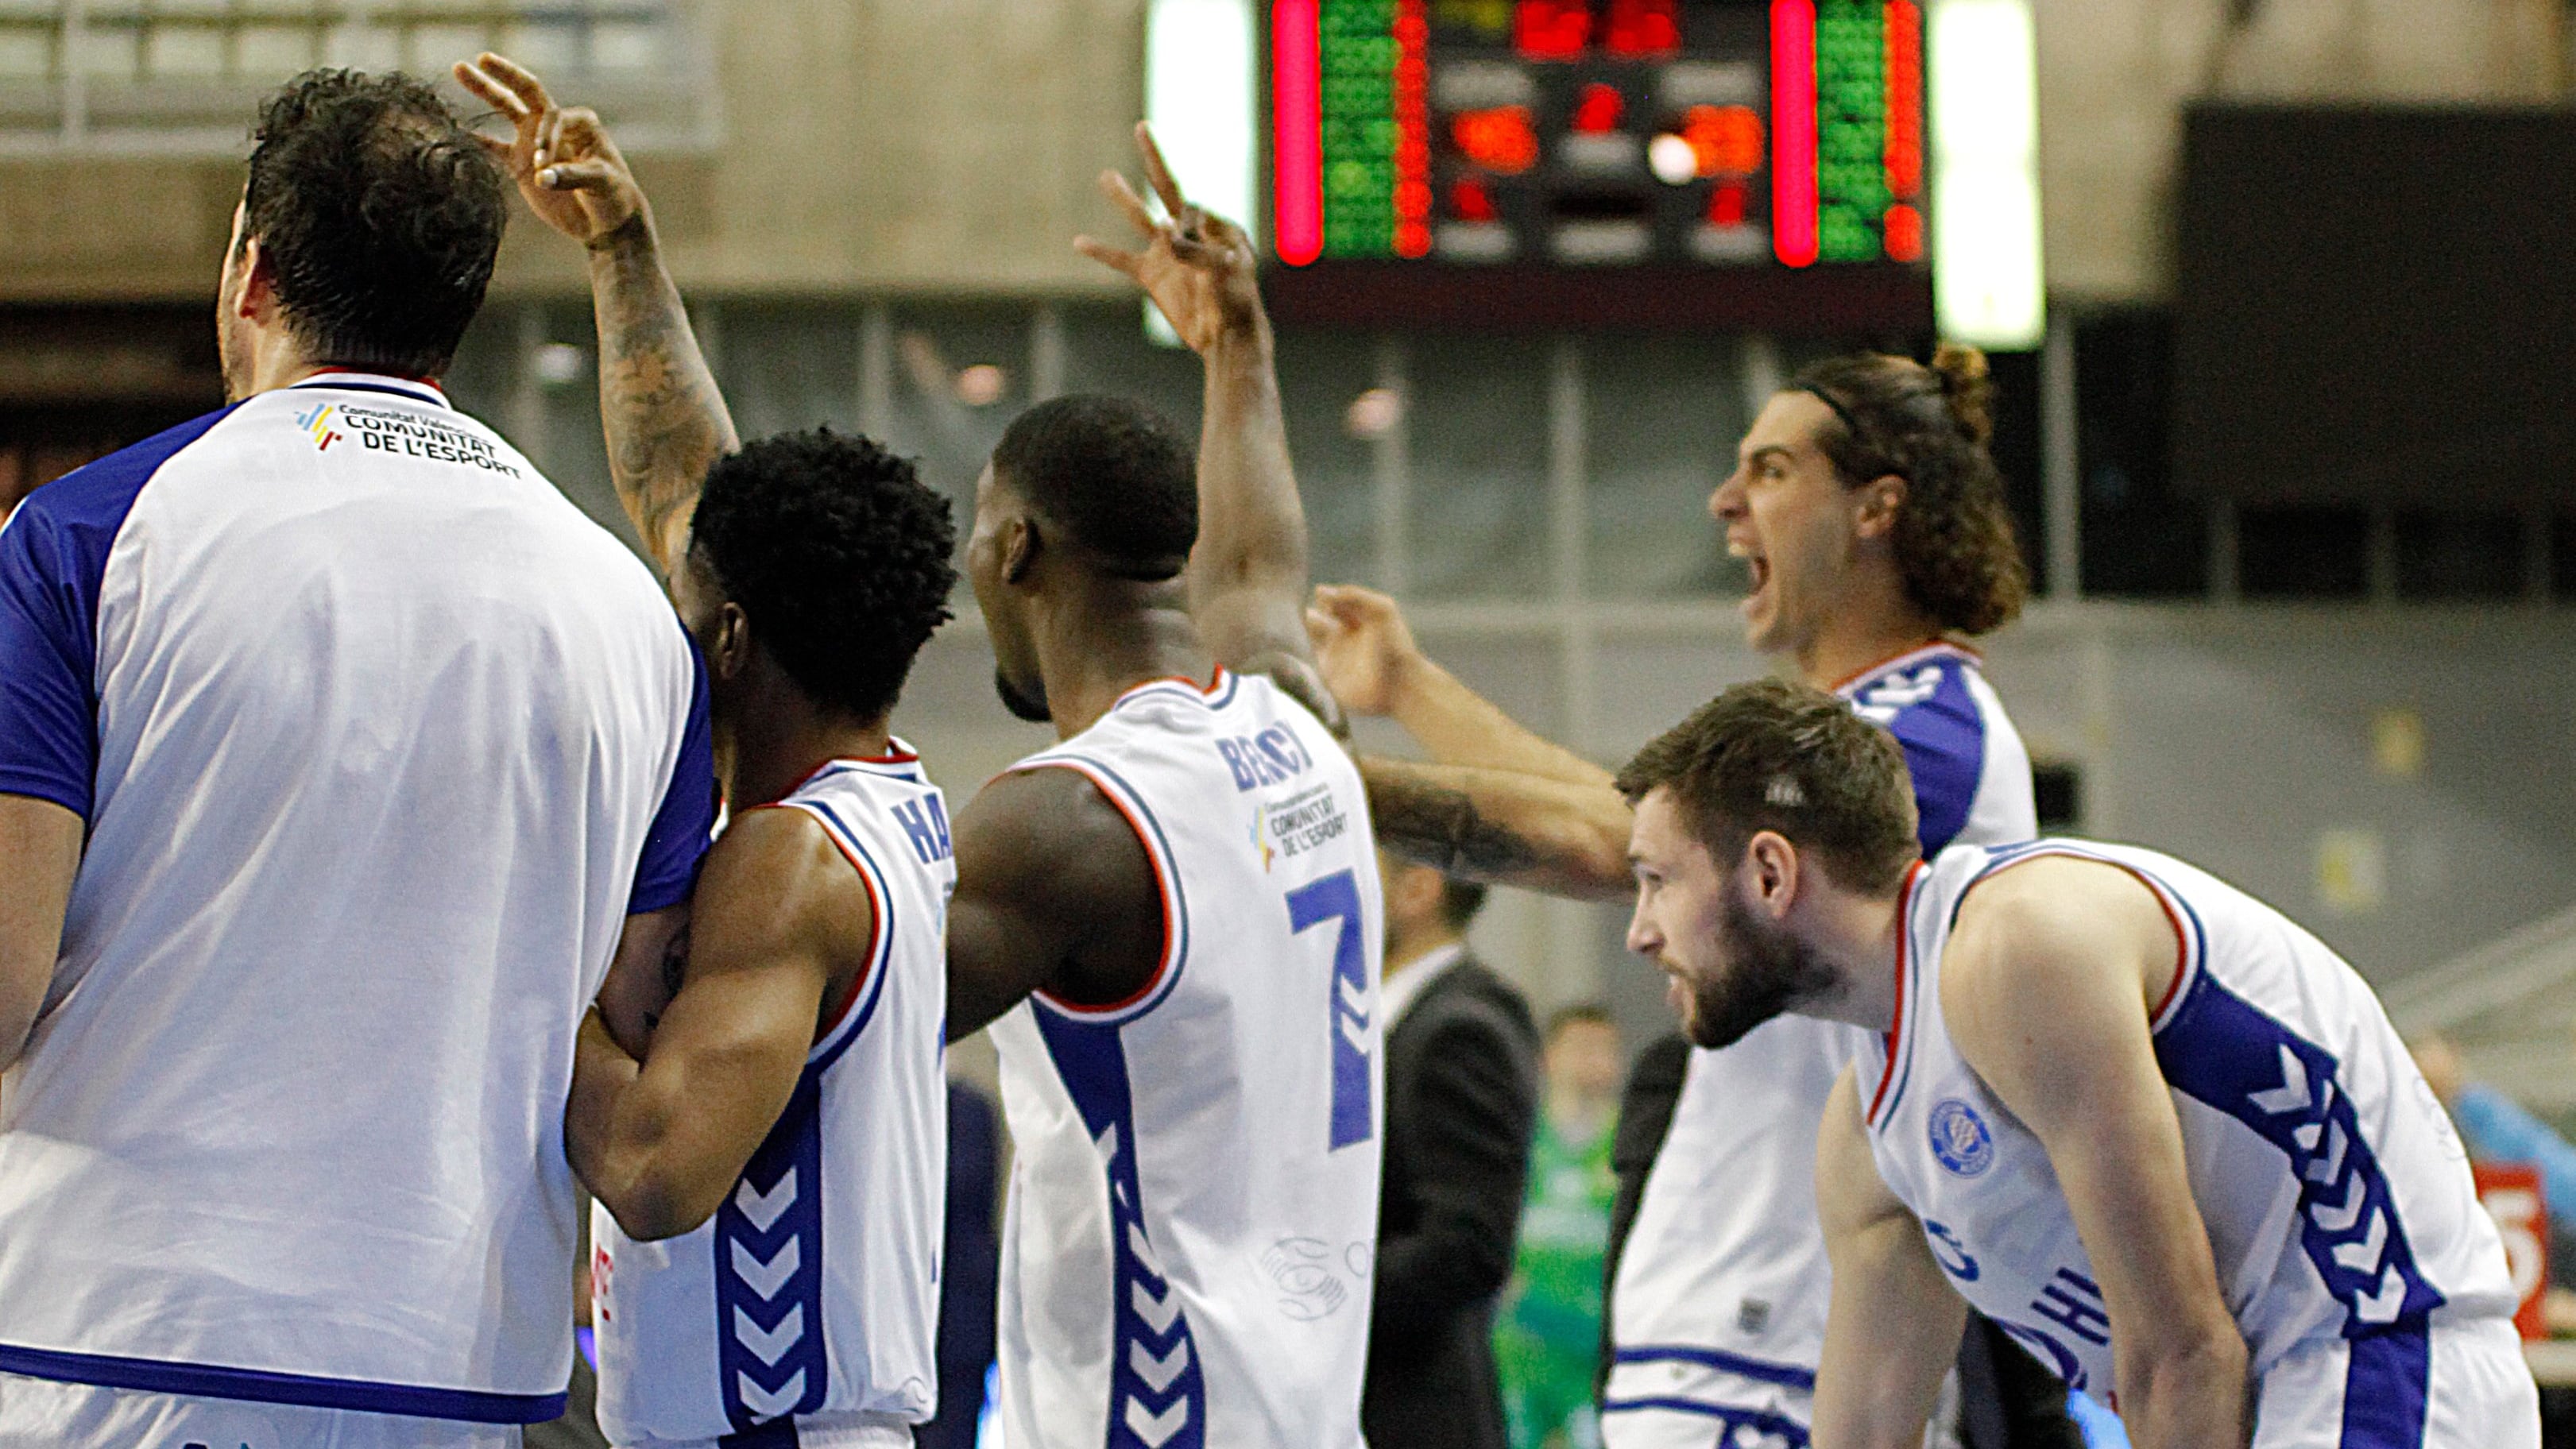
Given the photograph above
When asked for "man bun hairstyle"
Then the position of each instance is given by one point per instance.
(1460, 900)
(1114, 474)
(838, 554)
(1932, 426)
(1777, 756)
(379, 216)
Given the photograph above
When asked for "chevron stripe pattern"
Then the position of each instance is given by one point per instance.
(769, 1271)
(2222, 1050)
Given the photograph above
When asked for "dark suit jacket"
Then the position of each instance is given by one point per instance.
(1461, 1103)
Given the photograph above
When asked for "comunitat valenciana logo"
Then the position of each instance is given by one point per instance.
(316, 422)
(1960, 1138)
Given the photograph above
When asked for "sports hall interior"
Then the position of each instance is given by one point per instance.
(2347, 685)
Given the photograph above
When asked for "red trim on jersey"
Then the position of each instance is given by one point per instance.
(1216, 681)
(1904, 939)
(1899, 657)
(2182, 933)
(1162, 893)
(876, 920)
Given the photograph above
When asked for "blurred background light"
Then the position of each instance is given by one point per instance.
(1986, 276)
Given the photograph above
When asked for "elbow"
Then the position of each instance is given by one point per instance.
(2205, 1366)
(649, 1207)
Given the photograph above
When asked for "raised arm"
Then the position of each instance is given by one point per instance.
(666, 422)
(1054, 892)
(1247, 576)
(2085, 947)
(1894, 1324)
(1502, 827)
(1367, 654)
(670, 1099)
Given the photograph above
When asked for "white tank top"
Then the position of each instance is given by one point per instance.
(1193, 1210)
(814, 1290)
(2337, 1198)
(1719, 1307)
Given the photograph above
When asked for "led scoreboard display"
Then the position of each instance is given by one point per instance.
(1676, 162)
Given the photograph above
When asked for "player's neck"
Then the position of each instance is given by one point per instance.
(1862, 635)
(776, 743)
(1111, 638)
(1860, 941)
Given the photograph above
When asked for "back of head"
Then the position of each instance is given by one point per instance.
(1113, 474)
(379, 217)
(1777, 756)
(1932, 426)
(839, 556)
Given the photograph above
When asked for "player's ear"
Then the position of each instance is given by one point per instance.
(1771, 872)
(732, 651)
(1020, 548)
(257, 299)
(1875, 505)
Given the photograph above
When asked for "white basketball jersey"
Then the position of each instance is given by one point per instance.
(2338, 1201)
(1193, 1209)
(814, 1290)
(1718, 1313)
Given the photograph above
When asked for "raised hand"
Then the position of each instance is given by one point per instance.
(566, 167)
(1199, 268)
(1363, 647)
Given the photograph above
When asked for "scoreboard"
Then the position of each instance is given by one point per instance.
(1674, 162)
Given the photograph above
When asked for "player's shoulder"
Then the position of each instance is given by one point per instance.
(2031, 914)
(786, 866)
(99, 493)
(1931, 690)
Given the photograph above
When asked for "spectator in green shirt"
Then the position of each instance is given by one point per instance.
(1548, 1337)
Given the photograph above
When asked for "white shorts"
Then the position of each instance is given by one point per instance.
(43, 1414)
(2477, 1393)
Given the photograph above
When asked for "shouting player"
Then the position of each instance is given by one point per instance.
(369, 750)
(766, 1131)
(1868, 506)
(2144, 1122)
(1178, 908)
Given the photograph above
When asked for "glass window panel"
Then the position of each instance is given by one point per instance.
(626, 46)
(265, 51)
(192, 51)
(436, 47)
(199, 8)
(2304, 553)
(1321, 374)
(2459, 556)
(544, 46)
(364, 47)
(1664, 415)
(26, 50)
(1478, 430)
(788, 368)
(111, 52)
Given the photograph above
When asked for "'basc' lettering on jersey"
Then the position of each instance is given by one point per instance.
(1264, 759)
(925, 824)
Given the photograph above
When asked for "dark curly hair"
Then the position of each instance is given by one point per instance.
(1930, 425)
(839, 556)
(379, 216)
(1114, 473)
(1773, 755)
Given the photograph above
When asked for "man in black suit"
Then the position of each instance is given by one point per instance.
(1461, 1103)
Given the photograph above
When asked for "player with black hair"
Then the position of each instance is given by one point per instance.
(1172, 918)
(772, 1101)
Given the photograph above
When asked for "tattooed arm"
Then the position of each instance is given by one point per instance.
(666, 422)
(1502, 827)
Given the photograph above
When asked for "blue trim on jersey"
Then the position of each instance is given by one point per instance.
(1928, 708)
(262, 1386)
(53, 561)
(1788, 1374)
(2220, 1049)
(685, 825)
(1729, 1417)
(1157, 1396)
(434, 399)
(2384, 1388)
(768, 1261)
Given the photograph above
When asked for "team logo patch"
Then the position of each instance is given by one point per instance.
(316, 422)
(1960, 1139)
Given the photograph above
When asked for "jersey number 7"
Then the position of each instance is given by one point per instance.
(1337, 898)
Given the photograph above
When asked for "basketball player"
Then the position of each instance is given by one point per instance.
(2144, 1122)
(340, 754)
(1868, 506)
(768, 1142)
(1178, 909)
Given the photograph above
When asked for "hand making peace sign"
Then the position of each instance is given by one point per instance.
(566, 167)
(1198, 267)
